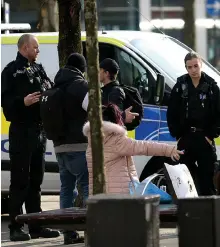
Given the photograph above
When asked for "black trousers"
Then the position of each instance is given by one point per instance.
(201, 160)
(27, 146)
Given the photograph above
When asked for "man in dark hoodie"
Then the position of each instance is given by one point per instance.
(71, 149)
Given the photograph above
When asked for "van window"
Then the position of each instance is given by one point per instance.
(105, 51)
(168, 53)
(132, 73)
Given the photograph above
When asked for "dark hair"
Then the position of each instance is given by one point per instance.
(190, 56)
(111, 66)
(112, 77)
(112, 113)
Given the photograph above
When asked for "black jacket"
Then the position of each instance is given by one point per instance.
(19, 78)
(76, 88)
(112, 93)
(176, 112)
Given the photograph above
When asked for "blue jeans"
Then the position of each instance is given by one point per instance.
(73, 169)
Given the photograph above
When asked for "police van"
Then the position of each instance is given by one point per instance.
(145, 60)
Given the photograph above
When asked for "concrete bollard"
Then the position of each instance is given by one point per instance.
(123, 221)
(199, 222)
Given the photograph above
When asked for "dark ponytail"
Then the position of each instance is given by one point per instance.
(112, 114)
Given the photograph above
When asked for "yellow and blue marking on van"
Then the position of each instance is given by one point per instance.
(153, 127)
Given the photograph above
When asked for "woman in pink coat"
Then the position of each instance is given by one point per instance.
(118, 149)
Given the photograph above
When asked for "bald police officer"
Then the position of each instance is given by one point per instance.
(23, 80)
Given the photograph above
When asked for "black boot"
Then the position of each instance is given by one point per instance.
(72, 238)
(19, 235)
(44, 233)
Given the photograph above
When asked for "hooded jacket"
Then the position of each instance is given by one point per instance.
(118, 163)
(176, 113)
(76, 88)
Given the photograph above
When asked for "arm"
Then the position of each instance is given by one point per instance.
(214, 130)
(85, 102)
(12, 104)
(173, 111)
(129, 147)
(80, 92)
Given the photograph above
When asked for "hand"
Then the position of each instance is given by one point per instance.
(175, 155)
(130, 116)
(208, 140)
(32, 98)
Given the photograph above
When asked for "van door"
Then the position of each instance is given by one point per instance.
(164, 134)
(134, 74)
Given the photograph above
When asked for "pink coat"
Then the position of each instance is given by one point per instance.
(118, 149)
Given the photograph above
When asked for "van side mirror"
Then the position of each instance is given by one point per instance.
(159, 90)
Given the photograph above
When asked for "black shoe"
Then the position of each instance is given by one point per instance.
(19, 235)
(45, 233)
(72, 238)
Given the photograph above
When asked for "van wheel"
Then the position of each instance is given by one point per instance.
(4, 204)
(153, 166)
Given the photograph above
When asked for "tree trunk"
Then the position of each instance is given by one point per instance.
(95, 111)
(53, 16)
(69, 42)
(69, 29)
(189, 27)
(48, 16)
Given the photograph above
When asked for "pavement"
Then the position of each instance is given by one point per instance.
(168, 236)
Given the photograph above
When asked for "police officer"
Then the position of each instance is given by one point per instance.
(193, 118)
(23, 80)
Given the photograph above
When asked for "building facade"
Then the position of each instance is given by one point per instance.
(168, 14)
(165, 15)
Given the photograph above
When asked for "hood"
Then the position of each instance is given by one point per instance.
(108, 128)
(68, 75)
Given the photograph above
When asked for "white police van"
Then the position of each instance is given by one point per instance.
(146, 59)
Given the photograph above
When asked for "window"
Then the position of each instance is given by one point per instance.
(134, 74)
(167, 3)
(169, 54)
(213, 39)
(105, 51)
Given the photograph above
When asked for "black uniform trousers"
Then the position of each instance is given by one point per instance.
(201, 159)
(27, 145)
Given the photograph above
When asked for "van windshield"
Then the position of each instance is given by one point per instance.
(168, 54)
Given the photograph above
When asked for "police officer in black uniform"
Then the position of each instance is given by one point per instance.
(23, 80)
(193, 118)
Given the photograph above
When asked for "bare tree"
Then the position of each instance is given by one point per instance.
(69, 29)
(48, 16)
(95, 112)
(189, 27)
